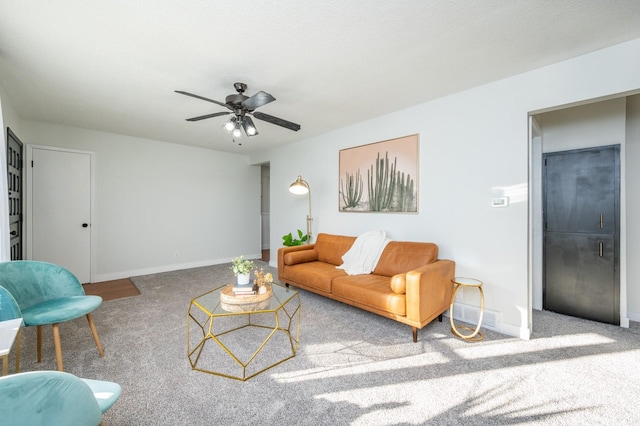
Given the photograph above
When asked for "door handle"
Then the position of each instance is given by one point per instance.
(601, 222)
(84, 225)
(14, 233)
(601, 248)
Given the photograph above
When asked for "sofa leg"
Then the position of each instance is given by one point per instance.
(440, 317)
(415, 334)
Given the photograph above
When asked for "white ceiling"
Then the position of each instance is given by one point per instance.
(114, 65)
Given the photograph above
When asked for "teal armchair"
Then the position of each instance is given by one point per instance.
(54, 398)
(48, 294)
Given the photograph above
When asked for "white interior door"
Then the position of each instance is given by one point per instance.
(61, 209)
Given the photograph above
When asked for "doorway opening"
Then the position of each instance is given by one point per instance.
(599, 123)
(265, 201)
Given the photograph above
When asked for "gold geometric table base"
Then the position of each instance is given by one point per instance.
(242, 344)
(476, 334)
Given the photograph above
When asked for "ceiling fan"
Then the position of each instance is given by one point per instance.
(242, 106)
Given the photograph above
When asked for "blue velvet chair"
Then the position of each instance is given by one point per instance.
(9, 310)
(48, 294)
(54, 398)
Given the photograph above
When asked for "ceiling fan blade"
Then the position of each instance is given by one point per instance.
(203, 98)
(202, 117)
(256, 101)
(277, 121)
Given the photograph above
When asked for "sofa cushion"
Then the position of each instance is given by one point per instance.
(300, 257)
(331, 248)
(399, 283)
(401, 256)
(370, 290)
(317, 275)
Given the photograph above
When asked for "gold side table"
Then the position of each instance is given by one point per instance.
(476, 334)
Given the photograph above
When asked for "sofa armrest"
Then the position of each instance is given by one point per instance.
(429, 290)
(283, 251)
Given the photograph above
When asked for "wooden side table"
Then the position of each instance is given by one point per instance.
(476, 334)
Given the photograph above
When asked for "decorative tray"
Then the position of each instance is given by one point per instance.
(233, 303)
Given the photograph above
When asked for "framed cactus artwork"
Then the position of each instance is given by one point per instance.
(380, 177)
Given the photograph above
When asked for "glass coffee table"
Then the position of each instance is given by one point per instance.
(242, 340)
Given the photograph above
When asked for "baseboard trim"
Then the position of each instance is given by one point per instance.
(166, 268)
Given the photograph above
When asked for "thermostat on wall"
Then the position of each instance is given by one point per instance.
(500, 202)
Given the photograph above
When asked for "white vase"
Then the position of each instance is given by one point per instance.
(243, 279)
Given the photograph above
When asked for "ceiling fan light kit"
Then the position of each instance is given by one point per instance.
(248, 126)
(230, 125)
(242, 106)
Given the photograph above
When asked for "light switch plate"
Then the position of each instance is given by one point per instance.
(500, 202)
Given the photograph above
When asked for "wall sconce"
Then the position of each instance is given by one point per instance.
(301, 187)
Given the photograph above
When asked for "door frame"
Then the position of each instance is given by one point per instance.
(29, 204)
(535, 231)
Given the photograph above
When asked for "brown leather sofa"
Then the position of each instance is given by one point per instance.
(409, 283)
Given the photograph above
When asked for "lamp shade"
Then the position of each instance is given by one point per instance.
(299, 187)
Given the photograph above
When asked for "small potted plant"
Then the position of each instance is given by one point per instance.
(288, 240)
(241, 268)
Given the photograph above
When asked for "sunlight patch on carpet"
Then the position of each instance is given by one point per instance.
(514, 347)
(364, 367)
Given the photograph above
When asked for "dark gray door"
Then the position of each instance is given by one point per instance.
(581, 236)
(14, 176)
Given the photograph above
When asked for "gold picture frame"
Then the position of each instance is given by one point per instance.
(380, 177)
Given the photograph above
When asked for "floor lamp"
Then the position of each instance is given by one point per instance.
(301, 187)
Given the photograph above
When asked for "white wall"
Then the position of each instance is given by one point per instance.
(9, 115)
(162, 206)
(5, 252)
(632, 179)
(473, 146)
(9, 119)
(585, 126)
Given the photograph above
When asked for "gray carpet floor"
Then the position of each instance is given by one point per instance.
(351, 368)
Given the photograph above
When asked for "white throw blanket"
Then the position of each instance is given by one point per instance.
(363, 256)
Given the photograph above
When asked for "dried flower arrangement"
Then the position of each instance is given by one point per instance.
(262, 278)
